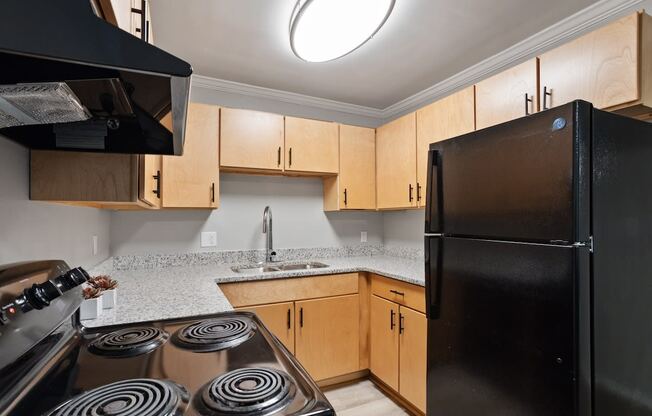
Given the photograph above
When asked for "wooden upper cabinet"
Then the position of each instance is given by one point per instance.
(355, 187)
(413, 356)
(443, 119)
(192, 180)
(508, 95)
(251, 140)
(384, 357)
(609, 67)
(149, 179)
(311, 146)
(328, 336)
(279, 319)
(396, 162)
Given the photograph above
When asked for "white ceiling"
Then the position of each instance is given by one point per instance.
(423, 43)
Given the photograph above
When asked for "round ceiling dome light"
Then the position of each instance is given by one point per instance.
(323, 30)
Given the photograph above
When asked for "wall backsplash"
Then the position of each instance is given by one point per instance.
(297, 207)
(32, 230)
(404, 228)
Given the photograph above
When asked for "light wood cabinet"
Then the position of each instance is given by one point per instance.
(328, 336)
(384, 357)
(610, 67)
(126, 14)
(508, 95)
(192, 180)
(443, 119)
(399, 342)
(413, 336)
(396, 161)
(279, 319)
(100, 180)
(355, 186)
(311, 146)
(251, 140)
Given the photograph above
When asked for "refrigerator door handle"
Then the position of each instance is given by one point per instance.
(434, 195)
(434, 258)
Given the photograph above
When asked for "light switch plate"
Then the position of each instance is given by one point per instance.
(208, 239)
(363, 236)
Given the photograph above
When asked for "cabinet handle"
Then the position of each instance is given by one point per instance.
(528, 101)
(143, 19)
(396, 292)
(289, 319)
(213, 192)
(290, 161)
(345, 197)
(401, 320)
(157, 178)
(418, 192)
(278, 157)
(391, 320)
(410, 188)
(547, 92)
(301, 317)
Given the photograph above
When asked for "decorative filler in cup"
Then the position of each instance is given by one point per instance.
(108, 287)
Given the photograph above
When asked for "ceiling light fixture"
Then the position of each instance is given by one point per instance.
(323, 30)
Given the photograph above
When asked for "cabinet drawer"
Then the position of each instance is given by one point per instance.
(406, 294)
(286, 290)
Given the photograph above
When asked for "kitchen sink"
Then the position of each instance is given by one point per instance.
(267, 268)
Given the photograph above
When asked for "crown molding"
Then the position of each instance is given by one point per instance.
(583, 21)
(231, 87)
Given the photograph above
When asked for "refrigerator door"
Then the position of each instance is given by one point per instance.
(525, 180)
(501, 319)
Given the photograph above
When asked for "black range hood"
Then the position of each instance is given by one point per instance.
(72, 81)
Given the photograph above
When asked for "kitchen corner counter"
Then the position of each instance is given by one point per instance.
(182, 292)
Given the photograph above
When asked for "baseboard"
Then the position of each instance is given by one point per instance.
(395, 396)
(345, 379)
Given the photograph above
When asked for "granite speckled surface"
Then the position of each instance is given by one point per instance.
(166, 292)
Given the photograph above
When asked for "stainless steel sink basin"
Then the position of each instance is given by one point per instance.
(267, 268)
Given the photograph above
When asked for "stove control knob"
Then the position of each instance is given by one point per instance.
(39, 296)
(72, 278)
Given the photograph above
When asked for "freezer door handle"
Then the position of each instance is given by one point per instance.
(434, 196)
(434, 258)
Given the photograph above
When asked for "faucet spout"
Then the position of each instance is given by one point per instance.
(267, 230)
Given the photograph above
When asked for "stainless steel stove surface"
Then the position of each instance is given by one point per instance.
(224, 364)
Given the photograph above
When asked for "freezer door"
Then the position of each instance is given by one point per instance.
(521, 180)
(501, 319)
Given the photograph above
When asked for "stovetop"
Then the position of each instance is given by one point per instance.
(175, 368)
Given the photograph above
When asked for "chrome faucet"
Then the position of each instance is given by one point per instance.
(270, 254)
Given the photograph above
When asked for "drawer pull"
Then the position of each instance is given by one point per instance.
(396, 292)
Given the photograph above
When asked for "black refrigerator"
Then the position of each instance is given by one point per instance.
(538, 253)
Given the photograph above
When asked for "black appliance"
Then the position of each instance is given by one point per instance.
(72, 81)
(538, 242)
(222, 364)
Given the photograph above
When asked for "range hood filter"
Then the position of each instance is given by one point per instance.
(39, 103)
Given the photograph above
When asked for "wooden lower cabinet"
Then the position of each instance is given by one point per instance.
(413, 336)
(327, 339)
(384, 341)
(279, 319)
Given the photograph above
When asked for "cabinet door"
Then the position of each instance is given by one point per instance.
(503, 97)
(413, 356)
(444, 119)
(149, 180)
(311, 145)
(279, 319)
(600, 67)
(396, 161)
(384, 340)
(328, 336)
(251, 140)
(192, 180)
(357, 167)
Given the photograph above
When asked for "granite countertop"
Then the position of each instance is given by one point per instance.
(179, 292)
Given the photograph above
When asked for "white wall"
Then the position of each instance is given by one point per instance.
(32, 230)
(404, 228)
(298, 220)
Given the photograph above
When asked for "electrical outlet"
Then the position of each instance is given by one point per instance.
(363, 236)
(96, 243)
(208, 239)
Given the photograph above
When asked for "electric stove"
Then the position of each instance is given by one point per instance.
(222, 364)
